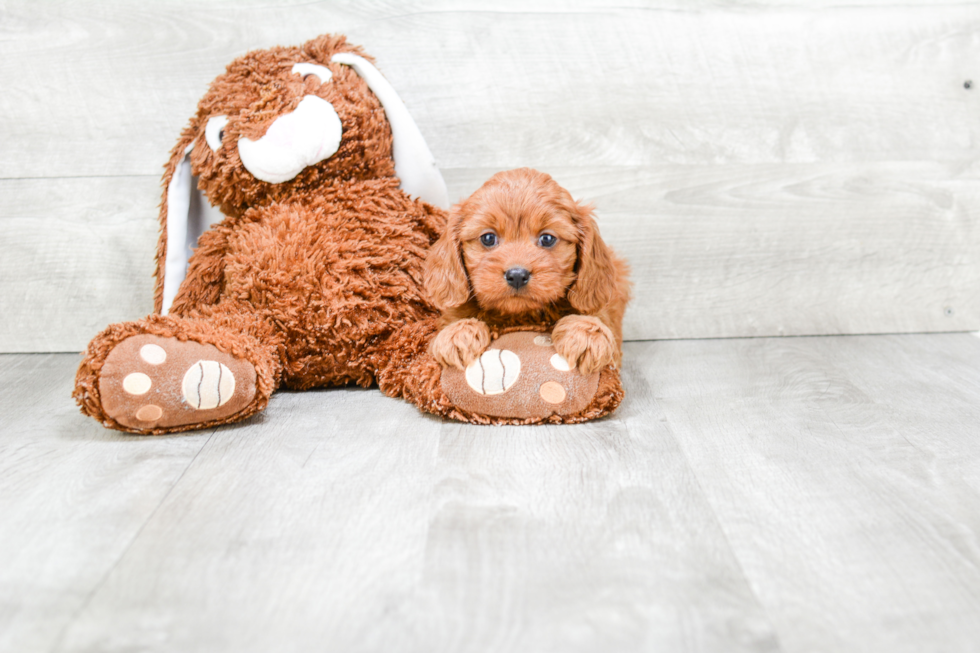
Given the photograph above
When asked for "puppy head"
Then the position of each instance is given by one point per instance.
(518, 244)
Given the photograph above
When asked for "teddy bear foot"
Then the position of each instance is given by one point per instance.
(521, 376)
(155, 383)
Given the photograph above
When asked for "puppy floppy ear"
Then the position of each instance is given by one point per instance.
(445, 277)
(595, 278)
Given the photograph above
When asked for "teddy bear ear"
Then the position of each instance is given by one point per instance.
(185, 214)
(414, 163)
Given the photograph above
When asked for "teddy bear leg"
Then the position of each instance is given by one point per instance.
(169, 374)
(405, 369)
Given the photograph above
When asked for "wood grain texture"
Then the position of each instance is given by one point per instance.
(73, 497)
(787, 494)
(76, 255)
(511, 87)
(768, 168)
(343, 520)
(844, 473)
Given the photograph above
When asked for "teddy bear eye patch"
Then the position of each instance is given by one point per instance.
(214, 131)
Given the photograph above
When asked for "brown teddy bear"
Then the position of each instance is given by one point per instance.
(307, 266)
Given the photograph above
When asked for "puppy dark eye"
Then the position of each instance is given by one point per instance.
(488, 239)
(547, 240)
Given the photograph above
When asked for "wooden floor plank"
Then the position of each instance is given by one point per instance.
(844, 473)
(73, 497)
(793, 494)
(342, 521)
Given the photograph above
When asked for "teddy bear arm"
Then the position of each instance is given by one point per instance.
(204, 282)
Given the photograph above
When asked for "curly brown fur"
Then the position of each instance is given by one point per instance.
(254, 90)
(522, 222)
(317, 301)
(318, 280)
(305, 279)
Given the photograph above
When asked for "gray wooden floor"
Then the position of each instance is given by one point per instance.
(796, 494)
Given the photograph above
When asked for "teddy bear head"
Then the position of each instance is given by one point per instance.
(283, 121)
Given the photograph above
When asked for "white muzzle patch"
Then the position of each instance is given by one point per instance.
(294, 141)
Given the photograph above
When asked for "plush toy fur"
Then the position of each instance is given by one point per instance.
(311, 281)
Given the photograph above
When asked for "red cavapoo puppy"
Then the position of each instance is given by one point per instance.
(521, 251)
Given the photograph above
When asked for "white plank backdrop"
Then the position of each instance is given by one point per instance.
(768, 168)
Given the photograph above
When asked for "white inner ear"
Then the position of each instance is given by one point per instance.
(189, 215)
(305, 69)
(414, 163)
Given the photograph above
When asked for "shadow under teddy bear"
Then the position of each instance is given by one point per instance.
(307, 267)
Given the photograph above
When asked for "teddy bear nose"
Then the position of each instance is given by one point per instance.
(293, 141)
(517, 278)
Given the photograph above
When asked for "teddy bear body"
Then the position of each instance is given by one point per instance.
(324, 281)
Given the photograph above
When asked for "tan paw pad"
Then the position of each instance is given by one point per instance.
(552, 392)
(149, 413)
(559, 363)
(137, 383)
(208, 384)
(153, 354)
(494, 372)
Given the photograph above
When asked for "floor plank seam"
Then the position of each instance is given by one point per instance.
(728, 543)
(638, 340)
(98, 586)
(61, 177)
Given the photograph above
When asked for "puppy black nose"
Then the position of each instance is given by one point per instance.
(517, 277)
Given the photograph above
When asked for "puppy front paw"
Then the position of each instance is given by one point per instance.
(585, 342)
(460, 343)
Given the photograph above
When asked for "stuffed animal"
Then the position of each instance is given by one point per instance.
(302, 268)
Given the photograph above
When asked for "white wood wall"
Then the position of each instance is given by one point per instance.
(768, 167)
